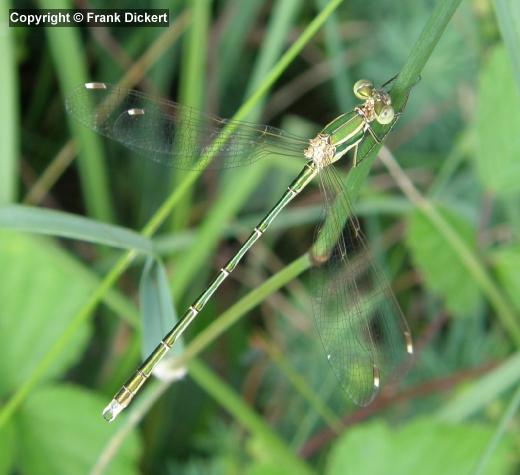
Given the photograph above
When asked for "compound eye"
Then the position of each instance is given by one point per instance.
(363, 89)
(385, 115)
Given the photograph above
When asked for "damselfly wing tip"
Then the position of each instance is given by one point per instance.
(135, 111)
(377, 377)
(409, 343)
(112, 410)
(95, 85)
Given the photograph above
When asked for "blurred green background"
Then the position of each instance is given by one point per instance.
(80, 292)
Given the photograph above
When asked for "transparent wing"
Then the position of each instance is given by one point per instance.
(175, 135)
(363, 331)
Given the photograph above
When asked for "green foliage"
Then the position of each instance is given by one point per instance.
(423, 446)
(440, 264)
(57, 434)
(68, 55)
(155, 303)
(8, 91)
(507, 267)
(270, 404)
(39, 298)
(498, 141)
(508, 16)
(57, 223)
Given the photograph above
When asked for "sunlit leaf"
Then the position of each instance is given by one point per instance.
(423, 446)
(8, 450)
(61, 431)
(39, 295)
(507, 267)
(497, 124)
(439, 264)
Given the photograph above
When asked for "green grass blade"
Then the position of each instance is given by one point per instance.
(158, 315)
(422, 50)
(487, 389)
(281, 19)
(233, 39)
(71, 226)
(508, 416)
(336, 51)
(191, 89)
(9, 107)
(67, 53)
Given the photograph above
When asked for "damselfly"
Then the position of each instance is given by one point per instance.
(363, 331)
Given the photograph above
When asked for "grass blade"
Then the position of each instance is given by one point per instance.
(158, 315)
(512, 409)
(67, 52)
(9, 107)
(476, 396)
(335, 51)
(71, 226)
(191, 87)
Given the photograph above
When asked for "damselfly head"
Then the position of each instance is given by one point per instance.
(363, 89)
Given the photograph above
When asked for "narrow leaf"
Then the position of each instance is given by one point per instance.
(158, 315)
(68, 56)
(485, 390)
(67, 225)
(9, 107)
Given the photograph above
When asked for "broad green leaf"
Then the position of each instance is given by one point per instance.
(8, 449)
(157, 314)
(507, 267)
(508, 16)
(269, 468)
(61, 431)
(67, 225)
(440, 266)
(497, 124)
(423, 446)
(38, 296)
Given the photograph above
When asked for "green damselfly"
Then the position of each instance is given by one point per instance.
(363, 331)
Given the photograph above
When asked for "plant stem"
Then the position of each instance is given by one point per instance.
(422, 50)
